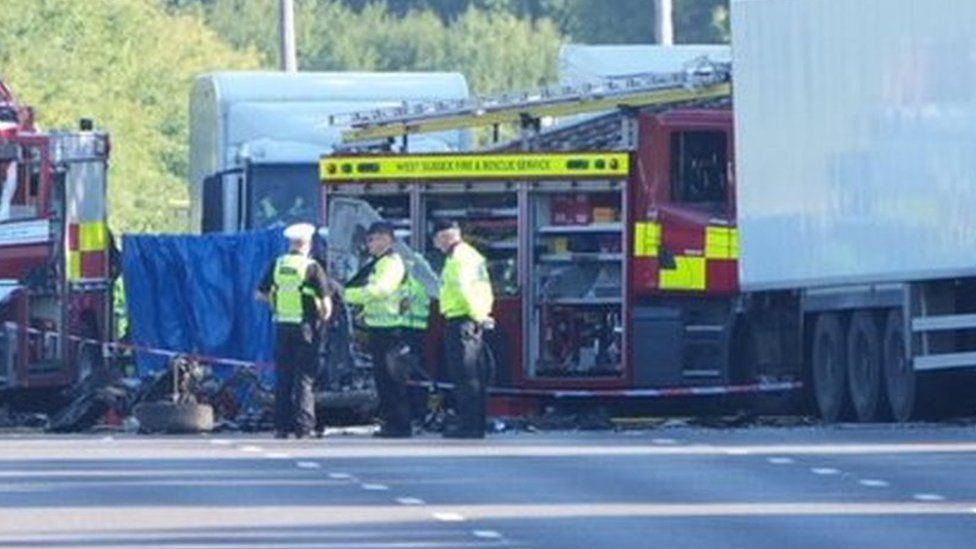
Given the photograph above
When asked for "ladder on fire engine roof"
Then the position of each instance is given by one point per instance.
(701, 80)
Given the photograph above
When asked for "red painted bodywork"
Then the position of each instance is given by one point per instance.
(18, 262)
(683, 230)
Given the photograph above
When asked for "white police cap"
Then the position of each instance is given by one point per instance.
(301, 232)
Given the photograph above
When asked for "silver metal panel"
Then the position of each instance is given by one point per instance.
(579, 63)
(943, 323)
(855, 140)
(944, 361)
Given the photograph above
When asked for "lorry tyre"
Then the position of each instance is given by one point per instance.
(173, 417)
(864, 379)
(829, 365)
(899, 377)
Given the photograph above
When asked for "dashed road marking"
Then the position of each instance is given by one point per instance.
(340, 476)
(307, 465)
(277, 455)
(410, 501)
(825, 471)
(448, 517)
(376, 487)
(780, 460)
(486, 534)
(929, 497)
(873, 483)
(250, 448)
(220, 442)
(108, 438)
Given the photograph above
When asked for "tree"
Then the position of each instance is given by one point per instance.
(701, 21)
(491, 46)
(129, 65)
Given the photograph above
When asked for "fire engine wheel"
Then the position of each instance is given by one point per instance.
(829, 366)
(864, 366)
(170, 417)
(899, 377)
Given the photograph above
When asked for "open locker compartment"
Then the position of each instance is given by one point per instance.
(576, 273)
(488, 215)
(490, 219)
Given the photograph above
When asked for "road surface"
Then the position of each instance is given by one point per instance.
(844, 486)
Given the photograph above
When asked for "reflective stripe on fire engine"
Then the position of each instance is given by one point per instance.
(647, 238)
(92, 237)
(74, 265)
(86, 238)
(721, 243)
(583, 165)
(688, 274)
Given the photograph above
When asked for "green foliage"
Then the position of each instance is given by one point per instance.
(127, 64)
(587, 21)
(701, 21)
(493, 47)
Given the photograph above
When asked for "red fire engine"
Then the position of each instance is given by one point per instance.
(611, 242)
(54, 250)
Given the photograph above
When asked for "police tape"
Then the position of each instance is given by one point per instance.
(107, 347)
(666, 392)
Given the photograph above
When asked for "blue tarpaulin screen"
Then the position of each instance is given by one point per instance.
(195, 294)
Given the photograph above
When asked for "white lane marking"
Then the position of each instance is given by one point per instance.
(108, 438)
(486, 534)
(873, 483)
(250, 448)
(929, 497)
(449, 517)
(410, 501)
(307, 465)
(277, 455)
(375, 487)
(780, 460)
(664, 441)
(825, 471)
(340, 476)
(220, 442)
(737, 451)
(973, 510)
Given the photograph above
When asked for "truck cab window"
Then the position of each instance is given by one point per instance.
(282, 193)
(698, 169)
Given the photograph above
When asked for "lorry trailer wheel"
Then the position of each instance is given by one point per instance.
(899, 376)
(171, 417)
(829, 365)
(864, 366)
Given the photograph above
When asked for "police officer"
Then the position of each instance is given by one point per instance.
(296, 287)
(381, 298)
(466, 300)
(414, 310)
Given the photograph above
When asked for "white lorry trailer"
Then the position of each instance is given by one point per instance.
(855, 151)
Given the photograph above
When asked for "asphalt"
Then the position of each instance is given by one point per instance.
(840, 486)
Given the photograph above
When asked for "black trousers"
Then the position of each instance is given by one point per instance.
(463, 345)
(296, 364)
(391, 374)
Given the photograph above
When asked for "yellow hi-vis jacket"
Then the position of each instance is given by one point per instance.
(414, 304)
(465, 286)
(289, 286)
(380, 297)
